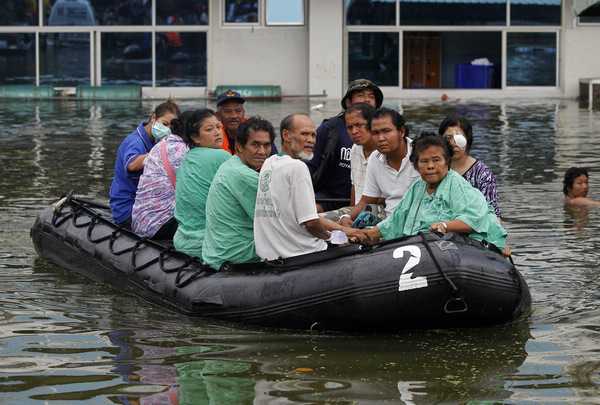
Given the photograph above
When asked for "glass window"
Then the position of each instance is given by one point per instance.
(531, 59)
(367, 12)
(589, 20)
(181, 59)
(241, 11)
(97, 12)
(18, 13)
(127, 58)
(588, 14)
(285, 12)
(535, 12)
(452, 12)
(17, 56)
(65, 60)
(374, 56)
(182, 12)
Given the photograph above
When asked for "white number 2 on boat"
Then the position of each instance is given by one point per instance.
(406, 282)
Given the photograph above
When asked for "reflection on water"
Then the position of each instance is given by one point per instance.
(65, 339)
(110, 353)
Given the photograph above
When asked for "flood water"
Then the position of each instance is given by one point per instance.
(65, 339)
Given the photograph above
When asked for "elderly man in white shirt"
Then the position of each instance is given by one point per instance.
(286, 222)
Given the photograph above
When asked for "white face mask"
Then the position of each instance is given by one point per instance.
(159, 131)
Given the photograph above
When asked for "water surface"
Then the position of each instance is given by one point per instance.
(66, 339)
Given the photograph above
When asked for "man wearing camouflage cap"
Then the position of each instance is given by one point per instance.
(330, 167)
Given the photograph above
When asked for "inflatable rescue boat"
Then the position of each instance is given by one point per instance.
(418, 282)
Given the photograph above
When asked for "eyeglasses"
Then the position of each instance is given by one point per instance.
(358, 125)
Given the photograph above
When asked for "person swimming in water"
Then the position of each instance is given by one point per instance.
(576, 186)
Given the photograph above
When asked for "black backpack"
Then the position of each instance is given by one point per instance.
(321, 174)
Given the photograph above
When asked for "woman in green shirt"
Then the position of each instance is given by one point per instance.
(194, 177)
(441, 200)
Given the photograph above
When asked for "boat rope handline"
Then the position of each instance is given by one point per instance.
(56, 216)
(457, 297)
(134, 255)
(203, 268)
(111, 242)
(91, 227)
(77, 210)
(135, 248)
(511, 260)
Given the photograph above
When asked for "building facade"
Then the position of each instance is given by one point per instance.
(411, 48)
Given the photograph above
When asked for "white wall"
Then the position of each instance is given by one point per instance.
(257, 55)
(326, 47)
(310, 59)
(581, 52)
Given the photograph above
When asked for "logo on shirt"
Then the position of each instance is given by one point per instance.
(265, 180)
(345, 154)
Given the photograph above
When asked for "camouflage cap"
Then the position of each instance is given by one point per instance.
(360, 84)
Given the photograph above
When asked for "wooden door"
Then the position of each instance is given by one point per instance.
(422, 62)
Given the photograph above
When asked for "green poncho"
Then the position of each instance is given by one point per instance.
(194, 177)
(454, 198)
(230, 215)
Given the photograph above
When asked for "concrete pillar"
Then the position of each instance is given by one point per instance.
(326, 47)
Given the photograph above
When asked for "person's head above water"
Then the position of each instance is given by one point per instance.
(575, 182)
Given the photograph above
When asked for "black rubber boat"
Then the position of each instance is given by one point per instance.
(422, 281)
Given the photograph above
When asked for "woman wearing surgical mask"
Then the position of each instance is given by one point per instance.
(458, 130)
(152, 215)
(131, 156)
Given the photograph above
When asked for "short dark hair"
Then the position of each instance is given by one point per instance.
(570, 176)
(397, 118)
(194, 122)
(424, 141)
(168, 106)
(178, 124)
(458, 121)
(256, 124)
(288, 123)
(365, 110)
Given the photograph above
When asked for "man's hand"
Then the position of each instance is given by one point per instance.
(346, 222)
(355, 235)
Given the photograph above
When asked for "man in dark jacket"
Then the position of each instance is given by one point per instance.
(330, 167)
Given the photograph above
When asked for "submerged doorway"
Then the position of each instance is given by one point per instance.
(444, 59)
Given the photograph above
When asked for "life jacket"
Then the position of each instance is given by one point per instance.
(226, 146)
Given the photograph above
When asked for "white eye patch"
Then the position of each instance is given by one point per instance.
(460, 140)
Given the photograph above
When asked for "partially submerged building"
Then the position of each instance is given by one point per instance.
(189, 48)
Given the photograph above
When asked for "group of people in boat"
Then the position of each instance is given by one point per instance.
(215, 184)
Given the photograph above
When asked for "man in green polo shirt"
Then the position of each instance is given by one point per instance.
(232, 197)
